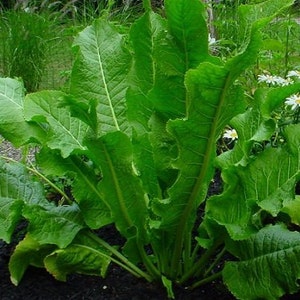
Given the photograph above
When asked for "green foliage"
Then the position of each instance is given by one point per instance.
(258, 264)
(136, 134)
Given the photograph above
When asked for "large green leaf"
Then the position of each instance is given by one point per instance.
(212, 101)
(58, 225)
(12, 123)
(99, 74)
(268, 266)
(121, 189)
(65, 133)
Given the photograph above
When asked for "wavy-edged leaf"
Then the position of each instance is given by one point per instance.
(65, 133)
(12, 122)
(99, 74)
(17, 189)
(268, 266)
(152, 28)
(28, 252)
(81, 257)
(212, 102)
(232, 210)
(264, 182)
(270, 183)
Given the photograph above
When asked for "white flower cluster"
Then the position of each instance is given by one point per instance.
(277, 80)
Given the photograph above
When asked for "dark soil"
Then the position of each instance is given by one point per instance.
(37, 284)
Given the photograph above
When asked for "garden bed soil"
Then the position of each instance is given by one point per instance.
(38, 284)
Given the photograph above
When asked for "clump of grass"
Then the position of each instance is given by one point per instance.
(24, 49)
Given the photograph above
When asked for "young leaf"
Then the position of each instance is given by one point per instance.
(184, 45)
(268, 266)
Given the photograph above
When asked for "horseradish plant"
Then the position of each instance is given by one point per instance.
(136, 133)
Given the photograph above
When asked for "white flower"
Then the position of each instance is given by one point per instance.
(274, 80)
(230, 134)
(283, 82)
(293, 101)
(294, 73)
(270, 79)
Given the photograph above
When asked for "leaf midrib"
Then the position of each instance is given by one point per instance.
(103, 77)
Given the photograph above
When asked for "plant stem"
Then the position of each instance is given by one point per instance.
(148, 263)
(56, 188)
(206, 280)
(217, 260)
(198, 267)
(129, 265)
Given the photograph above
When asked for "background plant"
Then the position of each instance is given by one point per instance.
(26, 46)
(136, 133)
